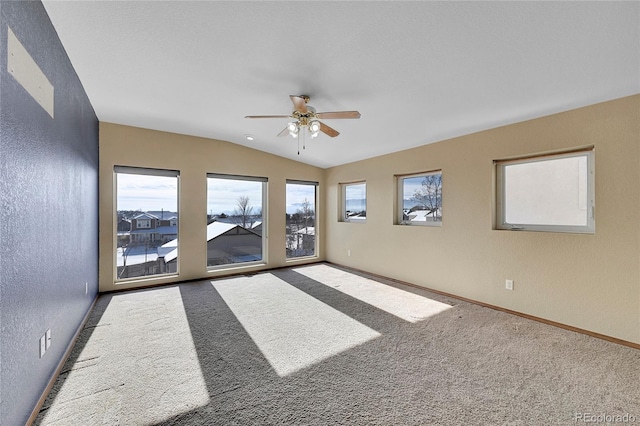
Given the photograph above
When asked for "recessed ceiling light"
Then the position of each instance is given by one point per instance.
(249, 137)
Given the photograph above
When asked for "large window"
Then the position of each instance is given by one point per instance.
(420, 199)
(235, 219)
(354, 202)
(147, 240)
(301, 219)
(547, 193)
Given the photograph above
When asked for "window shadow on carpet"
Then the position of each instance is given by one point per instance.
(369, 358)
(232, 320)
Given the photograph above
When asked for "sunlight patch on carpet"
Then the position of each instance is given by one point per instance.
(400, 303)
(292, 329)
(140, 365)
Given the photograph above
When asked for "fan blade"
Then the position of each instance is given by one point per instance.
(299, 103)
(266, 116)
(328, 130)
(338, 114)
(284, 131)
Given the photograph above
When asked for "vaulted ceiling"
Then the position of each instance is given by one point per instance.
(418, 72)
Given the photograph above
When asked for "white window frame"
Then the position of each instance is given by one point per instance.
(343, 202)
(136, 237)
(400, 199)
(143, 223)
(265, 228)
(500, 207)
(316, 186)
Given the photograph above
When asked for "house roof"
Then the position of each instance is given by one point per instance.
(309, 230)
(146, 216)
(162, 230)
(420, 215)
(418, 72)
(168, 249)
(214, 230)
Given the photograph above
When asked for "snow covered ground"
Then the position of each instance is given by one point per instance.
(136, 255)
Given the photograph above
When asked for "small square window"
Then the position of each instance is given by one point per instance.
(354, 202)
(420, 199)
(553, 193)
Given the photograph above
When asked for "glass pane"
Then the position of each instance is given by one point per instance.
(355, 202)
(547, 192)
(234, 221)
(422, 199)
(147, 228)
(301, 220)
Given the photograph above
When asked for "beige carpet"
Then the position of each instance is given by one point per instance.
(319, 345)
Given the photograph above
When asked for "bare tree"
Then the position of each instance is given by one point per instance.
(306, 212)
(243, 212)
(429, 195)
(300, 240)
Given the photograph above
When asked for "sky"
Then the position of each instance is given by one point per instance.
(155, 193)
(410, 185)
(146, 193)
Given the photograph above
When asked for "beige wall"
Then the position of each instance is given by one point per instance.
(194, 158)
(586, 281)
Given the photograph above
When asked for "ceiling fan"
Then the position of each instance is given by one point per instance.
(305, 117)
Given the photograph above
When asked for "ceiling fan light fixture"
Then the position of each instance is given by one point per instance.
(294, 128)
(314, 128)
(307, 120)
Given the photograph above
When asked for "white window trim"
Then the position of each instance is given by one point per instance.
(400, 200)
(500, 210)
(265, 227)
(141, 171)
(343, 202)
(316, 239)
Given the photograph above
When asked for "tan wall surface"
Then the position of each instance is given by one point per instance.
(587, 281)
(194, 157)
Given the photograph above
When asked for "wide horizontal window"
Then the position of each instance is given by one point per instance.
(548, 193)
(354, 202)
(235, 219)
(420, 199)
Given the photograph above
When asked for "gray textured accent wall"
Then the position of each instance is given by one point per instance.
(48, 212)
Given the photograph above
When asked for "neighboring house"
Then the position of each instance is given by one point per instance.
(302, 242)
(168, 257)
(124, 225)
(423, 216)
(356, 215)
(149, 228)
(257, 227)
(124, 232)
(226, 243)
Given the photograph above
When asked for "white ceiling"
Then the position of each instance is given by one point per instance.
(419, 72)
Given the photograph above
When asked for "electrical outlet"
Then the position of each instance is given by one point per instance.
(47, 341)
(43, 345)
(508, 284)
(348, 252)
